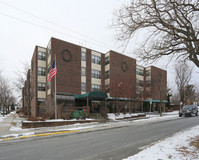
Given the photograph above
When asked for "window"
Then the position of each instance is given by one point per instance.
(140, 82)
(83, 72)
(96, 74)
(148, 83)
(107, 74)
(96, 59)
(107, 60)
(83, 56)
(41, 55)
(40, 101)
(83, 87)
(95, 87)
(41, 86)
(148, 73)
(107, 88)
(139, 72)
(41, 71)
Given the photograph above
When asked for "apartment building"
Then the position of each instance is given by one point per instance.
(82, 70)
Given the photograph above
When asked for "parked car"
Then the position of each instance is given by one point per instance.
(188, 110)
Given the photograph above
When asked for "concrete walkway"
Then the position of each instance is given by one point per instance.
(6, 123)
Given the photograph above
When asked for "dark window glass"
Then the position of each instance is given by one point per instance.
(148, 73)
(107, 74)
(148, 83)
(83, 87)
(41, 86)
(139, 72)
(40, 101)
(95, 74)
(41, 55)
(96, 59)
(41, 71)
(107, 60)
(95, 87)
(83, 56)
(83, 72)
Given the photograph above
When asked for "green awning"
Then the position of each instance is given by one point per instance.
(119, 99)
(95, 95)
(156, 101)
(134, 100)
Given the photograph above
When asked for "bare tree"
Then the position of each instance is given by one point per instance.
(171, 28)
(182, 79)
(6, 95)
(21, 75)
(190, 94)
(23, 81)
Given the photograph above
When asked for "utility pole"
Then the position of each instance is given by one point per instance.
(160, 79)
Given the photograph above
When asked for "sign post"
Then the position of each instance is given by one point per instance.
(150, 107)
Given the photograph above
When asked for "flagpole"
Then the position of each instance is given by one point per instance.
(55, 91)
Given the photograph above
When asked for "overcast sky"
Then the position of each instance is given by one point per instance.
(26, 23)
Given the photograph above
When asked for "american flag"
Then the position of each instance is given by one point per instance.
(53, 72)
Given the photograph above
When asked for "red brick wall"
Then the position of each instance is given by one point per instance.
(69, 73)
(158, 85)
(125, 79)
(34, 84)
(103, 72)
(88, 70)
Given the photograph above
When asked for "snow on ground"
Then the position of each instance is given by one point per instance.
(59, 120)
(172, 148)
(176, 147)
(17, 131)
(2, 118)
(153, 116)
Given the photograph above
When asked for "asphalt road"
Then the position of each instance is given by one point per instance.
(106, 144)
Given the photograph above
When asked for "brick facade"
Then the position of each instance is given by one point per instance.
(122, 75)
(118, 76)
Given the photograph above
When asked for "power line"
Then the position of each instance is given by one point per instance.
(52, 23)
(47, 28)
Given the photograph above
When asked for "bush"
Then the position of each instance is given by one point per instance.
(66, 116)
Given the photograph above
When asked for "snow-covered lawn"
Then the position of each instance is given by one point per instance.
(176, 147)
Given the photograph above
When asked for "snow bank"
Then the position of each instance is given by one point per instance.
(170, 148)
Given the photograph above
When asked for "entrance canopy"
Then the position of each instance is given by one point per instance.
(135, 100)
(95, 95)
(156, 101)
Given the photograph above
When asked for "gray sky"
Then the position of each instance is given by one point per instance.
(83, 22)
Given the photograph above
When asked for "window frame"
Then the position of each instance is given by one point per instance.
(41, 72)
(83, 71)
(41, 86)
(95, 74)
(83, 87)
(83, 56)
(41, 56)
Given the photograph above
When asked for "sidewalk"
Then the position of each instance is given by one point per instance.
(6, 122)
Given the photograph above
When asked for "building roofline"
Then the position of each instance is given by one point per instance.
(101, 52)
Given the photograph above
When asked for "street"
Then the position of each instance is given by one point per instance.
(110, 143)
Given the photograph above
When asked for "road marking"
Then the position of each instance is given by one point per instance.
(40, 135)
